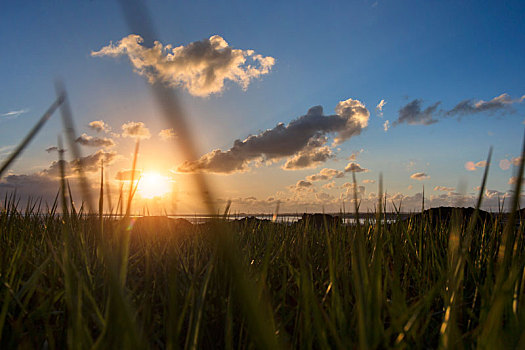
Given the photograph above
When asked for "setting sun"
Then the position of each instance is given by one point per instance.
(152, 184)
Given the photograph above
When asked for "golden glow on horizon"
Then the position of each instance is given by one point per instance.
(152, 184)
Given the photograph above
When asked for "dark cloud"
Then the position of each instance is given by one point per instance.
(502, 102)
(308, 158)
(413, 114)
(303, 140)
(52, 149)
(91, 141)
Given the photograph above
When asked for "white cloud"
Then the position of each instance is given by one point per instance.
(379, 108)
(386, 125)
(201, 67)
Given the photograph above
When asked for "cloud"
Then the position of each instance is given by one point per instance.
(90, 163)
(386, 125)
(91, 141)
(329, 185)
(412, 114)
(513, 180)
(326, 174)
(354, 155)
(125, 175)
(135, 130)
(308, 158)
(303, 140)
(201, 67)
(419, 176)
(99, 125)
(302, 185)
(354, 167)
(471, 166)
(444, 189)
(379, 108)
(498, 103)
(52, 149)
(13, 114)
(166, 134)
(368, 181)
(505, 164)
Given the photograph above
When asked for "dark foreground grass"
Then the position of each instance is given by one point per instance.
(68, 281)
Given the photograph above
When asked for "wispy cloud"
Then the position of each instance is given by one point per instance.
(498, 103)
(13, 114)
(414, 114)
(201, 67)
(444, 189)
(304, 140)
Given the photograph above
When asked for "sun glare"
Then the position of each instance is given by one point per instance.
(152, 185)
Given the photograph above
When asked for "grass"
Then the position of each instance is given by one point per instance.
(68, 281)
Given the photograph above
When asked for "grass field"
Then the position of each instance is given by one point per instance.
(83, 281)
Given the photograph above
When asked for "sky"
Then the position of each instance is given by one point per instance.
(284, 101)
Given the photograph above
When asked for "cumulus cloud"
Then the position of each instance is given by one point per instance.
(471, 166)
(413, 114)
(135, 130)
(419, 176)
(379, 108)
(325, 174)
(91, 141)
(201, 67)
(498, 103)
(166, 134)
(354, 167)
(303, 140)
(99, 125)
(444, 189)
(308, 158)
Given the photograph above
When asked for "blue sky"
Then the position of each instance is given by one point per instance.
(446, 51)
